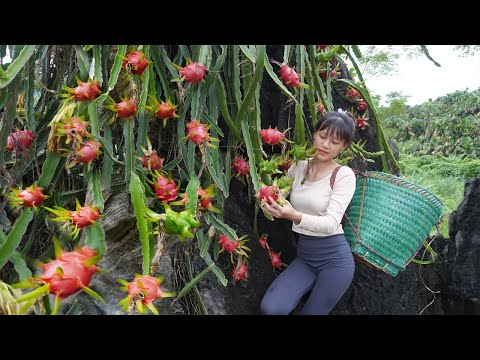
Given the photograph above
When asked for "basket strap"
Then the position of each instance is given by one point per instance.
(334, 175)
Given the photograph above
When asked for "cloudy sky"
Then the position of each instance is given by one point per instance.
(422, 80)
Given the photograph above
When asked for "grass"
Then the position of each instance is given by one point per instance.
(443, 177)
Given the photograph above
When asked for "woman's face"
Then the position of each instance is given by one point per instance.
(328, 146)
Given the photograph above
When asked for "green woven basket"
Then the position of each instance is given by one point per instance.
(395, 219)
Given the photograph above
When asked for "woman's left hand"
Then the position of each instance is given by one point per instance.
(285, 211)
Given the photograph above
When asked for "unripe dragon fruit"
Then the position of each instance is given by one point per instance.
(240, 166)
(193, 72)
(20, 140)
(143, 290)
(30, 197)
(135, 62)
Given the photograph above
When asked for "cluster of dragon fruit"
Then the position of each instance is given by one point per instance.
(71, 137)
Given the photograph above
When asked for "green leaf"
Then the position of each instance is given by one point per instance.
(248, 53)
(160, 69)
(48, 170)
(220, 225)
(96, 238)
(139, 200)
(117, 66)
(83, 62)
(193, 282)
(205, 56)
(251, 155)
(16, 65)
(97, 191)
(107, 167)
(8, 117)
(97, 59)
(192, 189)
(216, 270)
(142, 117)
(15, 236)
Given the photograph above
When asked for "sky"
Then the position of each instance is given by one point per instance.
(421, 79)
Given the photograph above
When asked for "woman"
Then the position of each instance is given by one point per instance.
(324, 262)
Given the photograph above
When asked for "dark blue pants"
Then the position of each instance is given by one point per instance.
(323, 265)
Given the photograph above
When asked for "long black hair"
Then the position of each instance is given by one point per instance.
(340, 124)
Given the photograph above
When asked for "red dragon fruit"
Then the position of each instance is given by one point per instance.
(135, 62)
(166, 190)
(198, 133)
(268, 191)
(151, 161)
(76, 128)
(87, 152)
(290, 77)
(362, 123)
(165, 111)
(362, 105)
(205, 196)
(126, 108)
(30, 197)
(193, 72)
(226, 244)
(84, 216)
(353, 93)
(81, 217)
(143, 290)
(275, 258)
(69, 273)
(286, 164)
(263, 240)
(240, 166)
(20, 140)
(272, 136)
(239, 271)
(84, 92)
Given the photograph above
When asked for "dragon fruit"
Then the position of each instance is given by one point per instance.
(135, 62)
(143, 290)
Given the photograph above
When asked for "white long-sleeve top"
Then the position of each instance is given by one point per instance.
(322, 208)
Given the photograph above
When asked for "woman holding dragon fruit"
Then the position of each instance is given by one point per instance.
(320, 194)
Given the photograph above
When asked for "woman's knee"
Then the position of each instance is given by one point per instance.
(272, 306)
